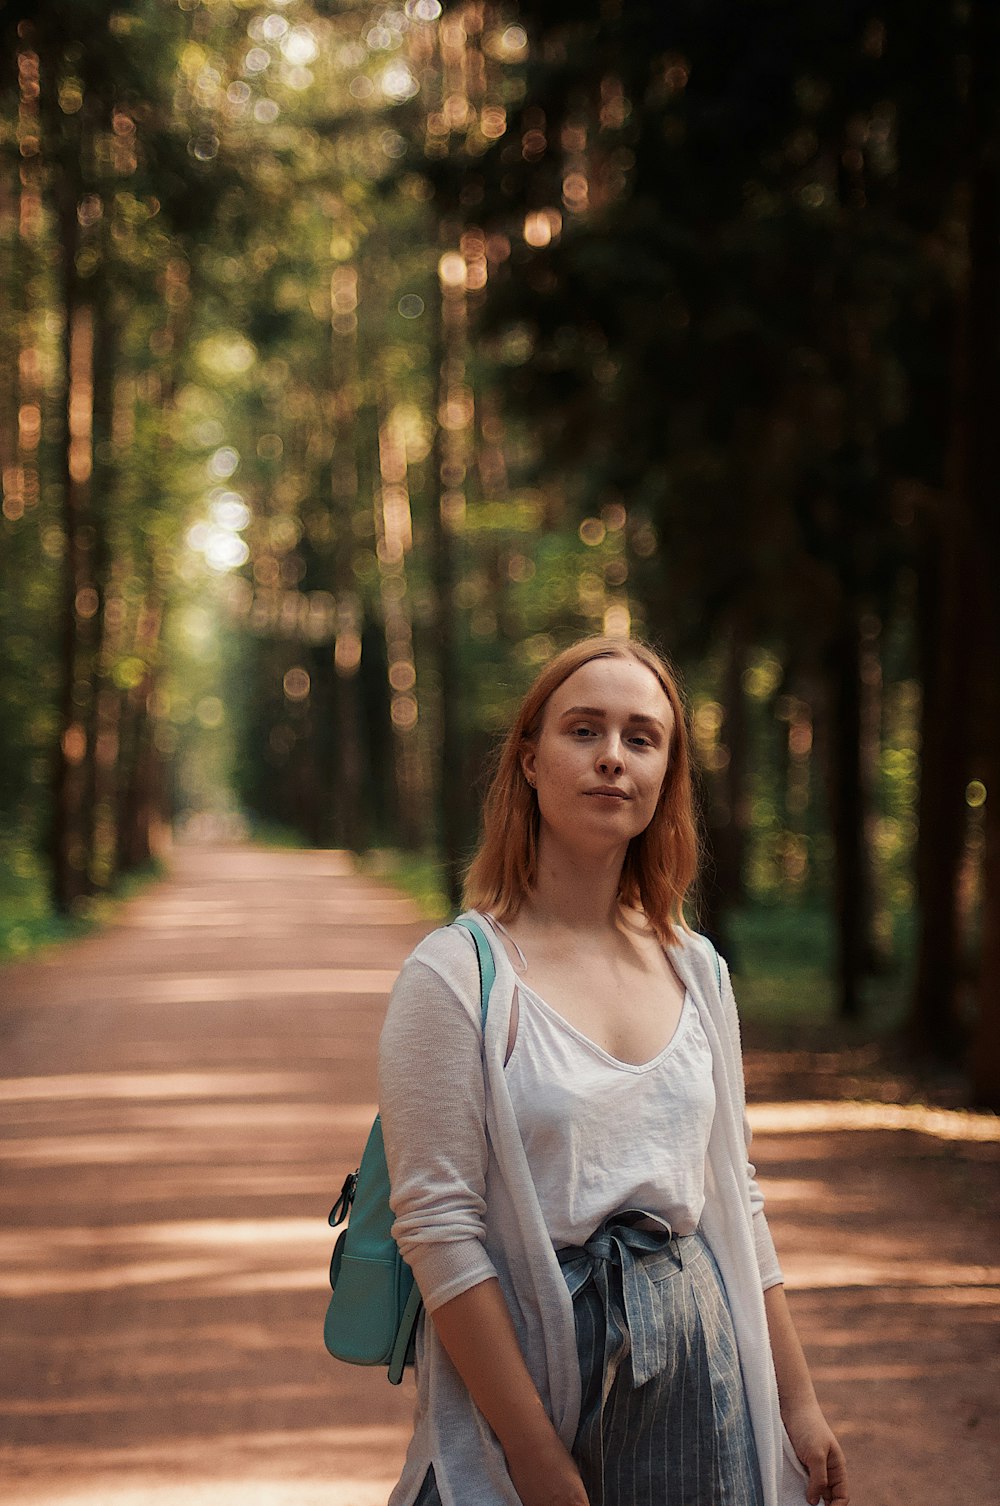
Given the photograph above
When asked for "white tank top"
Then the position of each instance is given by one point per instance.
(602, 1135)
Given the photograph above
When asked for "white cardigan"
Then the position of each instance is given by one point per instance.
(466, 1210)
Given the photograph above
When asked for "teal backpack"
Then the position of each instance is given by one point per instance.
(375, 1303)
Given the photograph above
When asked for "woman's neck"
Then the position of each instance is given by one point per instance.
(575, 892)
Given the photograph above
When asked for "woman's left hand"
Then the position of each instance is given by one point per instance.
(818, 1452)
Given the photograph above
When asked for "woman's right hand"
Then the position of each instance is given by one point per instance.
(547, 1476)
(478, 1336)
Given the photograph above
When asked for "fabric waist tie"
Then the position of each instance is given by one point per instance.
(663, 1413)
(632, 1259)
(626, 1262)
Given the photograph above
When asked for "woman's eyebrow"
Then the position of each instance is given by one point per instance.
(597, 711)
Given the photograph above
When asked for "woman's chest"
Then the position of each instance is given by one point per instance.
(632, 1016)
(567, 1090)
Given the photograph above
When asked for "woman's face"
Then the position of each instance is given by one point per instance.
(601, 754)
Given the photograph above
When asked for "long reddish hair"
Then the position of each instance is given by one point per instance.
(660, 863)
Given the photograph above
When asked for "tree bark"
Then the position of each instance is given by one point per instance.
(947, 619)
(449, 470)
(69, 856)
(724, 798)
(347, 805)
(962, 618)
(848, 803)
(140, 807)
(984, 469)
(731, 836)
(102, 723)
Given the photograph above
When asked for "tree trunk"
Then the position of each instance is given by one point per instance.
(847, 803)
(140, 808)
(984, 468)
(449, 468)
(962, 611)
(393, 537)
(731, 836)
(102, 725)
(347, 806)
(724, 798)
(69, 855)
(946, 627)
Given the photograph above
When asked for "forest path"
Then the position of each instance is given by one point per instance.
(181, 1096)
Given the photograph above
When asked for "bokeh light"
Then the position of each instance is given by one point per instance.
(224, 462)
(296, 683)
(452, 270)
(397, 82)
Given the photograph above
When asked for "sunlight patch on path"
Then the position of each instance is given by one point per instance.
(212, 1492)
(238, 1492)
(818, 1117)
(224, 987)
(206, 1255)
(811, 1272)
(338, 1466)
(92, 1086)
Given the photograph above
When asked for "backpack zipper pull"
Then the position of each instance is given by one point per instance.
(342, 1206)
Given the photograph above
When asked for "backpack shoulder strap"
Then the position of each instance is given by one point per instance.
(715, 959)
(484, 956)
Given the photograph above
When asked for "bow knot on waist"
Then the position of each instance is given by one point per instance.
(627, 1259)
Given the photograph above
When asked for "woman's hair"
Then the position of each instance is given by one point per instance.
(660, 863)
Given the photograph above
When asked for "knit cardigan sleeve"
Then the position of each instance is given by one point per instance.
(432, 1104)
(767, 1255)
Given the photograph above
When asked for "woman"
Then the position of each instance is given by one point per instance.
(607, 1324)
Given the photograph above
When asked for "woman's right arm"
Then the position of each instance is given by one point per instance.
(433, 1107)
(478, 1337)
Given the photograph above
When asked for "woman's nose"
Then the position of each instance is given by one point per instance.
(610, 759)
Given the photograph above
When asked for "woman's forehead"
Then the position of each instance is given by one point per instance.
(613, 683)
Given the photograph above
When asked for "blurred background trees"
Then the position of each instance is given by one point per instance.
(357, 356)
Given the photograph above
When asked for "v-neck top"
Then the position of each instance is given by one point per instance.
(602, 1136)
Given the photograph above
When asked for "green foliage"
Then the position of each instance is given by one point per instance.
(690, 380)
(272, 834)
(420, 875)
(28, 920)
(783, 962)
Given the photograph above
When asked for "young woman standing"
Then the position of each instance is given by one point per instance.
(606, 1324)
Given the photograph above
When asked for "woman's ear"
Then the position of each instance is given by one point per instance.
(528, 765)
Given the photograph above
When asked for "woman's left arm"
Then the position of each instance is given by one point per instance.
(811, 1436)
(809, 1431)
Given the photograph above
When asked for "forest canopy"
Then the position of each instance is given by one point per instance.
(356, 357)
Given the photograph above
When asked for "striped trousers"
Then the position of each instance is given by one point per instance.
(663, 1416)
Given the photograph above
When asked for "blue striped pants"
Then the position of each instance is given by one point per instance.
(663, 1416)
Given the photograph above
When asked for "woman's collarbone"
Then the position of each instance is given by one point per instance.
(630, 1019)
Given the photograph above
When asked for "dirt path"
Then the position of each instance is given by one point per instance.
(181, 1095)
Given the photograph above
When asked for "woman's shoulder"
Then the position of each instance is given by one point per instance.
(449, 951)
(701, 962)
(437, 985)
(685, 941)
(705, 946)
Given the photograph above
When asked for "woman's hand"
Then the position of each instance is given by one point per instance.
(818, 1452)
(547, 1476)
(815, 1446)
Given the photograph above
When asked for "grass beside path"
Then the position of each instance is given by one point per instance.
(29, 920)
